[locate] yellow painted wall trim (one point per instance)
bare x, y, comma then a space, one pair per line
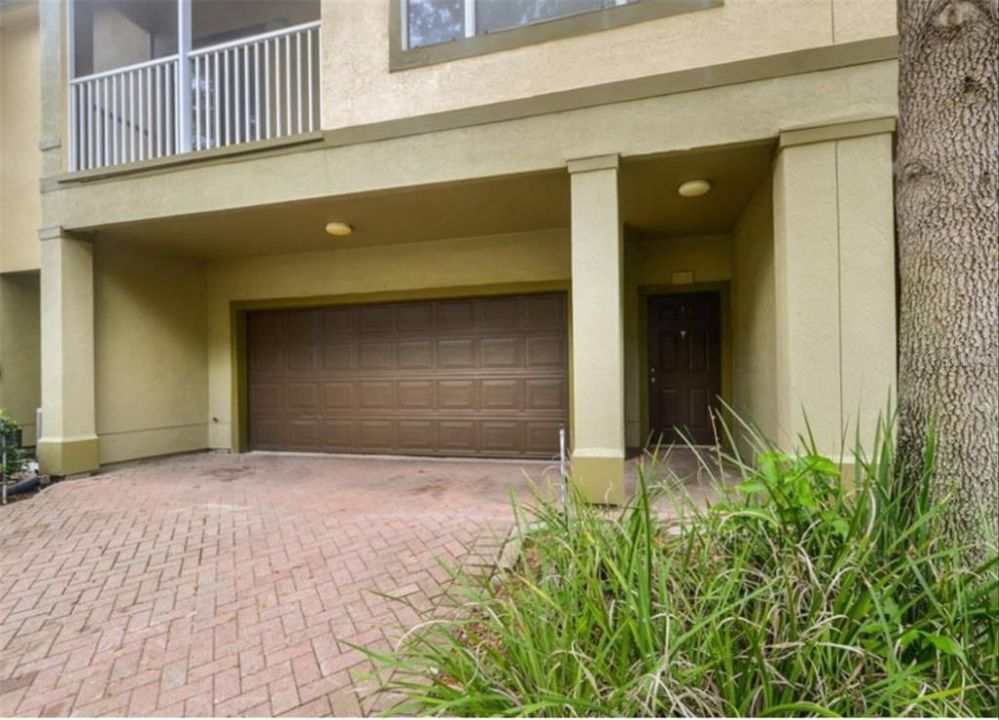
838, 131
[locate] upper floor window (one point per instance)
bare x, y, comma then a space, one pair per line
430, 22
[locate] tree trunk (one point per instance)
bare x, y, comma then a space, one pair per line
948, 225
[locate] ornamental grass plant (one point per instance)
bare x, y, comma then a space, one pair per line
798, 592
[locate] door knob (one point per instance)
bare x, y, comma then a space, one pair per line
683, 334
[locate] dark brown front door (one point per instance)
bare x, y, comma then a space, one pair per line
478, 376
684, 366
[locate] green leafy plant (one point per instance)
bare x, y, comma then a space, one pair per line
9, 437
798, 593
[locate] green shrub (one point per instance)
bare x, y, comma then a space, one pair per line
797, 594
9, 431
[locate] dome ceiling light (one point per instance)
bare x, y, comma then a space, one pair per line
339, 229
694, 188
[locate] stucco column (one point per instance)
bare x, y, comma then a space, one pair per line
69, 439
597, 330
834, 268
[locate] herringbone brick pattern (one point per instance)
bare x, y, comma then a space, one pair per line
230, 585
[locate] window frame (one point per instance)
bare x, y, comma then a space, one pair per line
405, 58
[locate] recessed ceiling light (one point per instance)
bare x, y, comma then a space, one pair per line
694, 188
339, 229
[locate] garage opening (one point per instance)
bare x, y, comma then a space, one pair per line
483, 376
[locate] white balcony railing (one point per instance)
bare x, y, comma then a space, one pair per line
257, 88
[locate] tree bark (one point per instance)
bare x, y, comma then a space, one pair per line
948, 233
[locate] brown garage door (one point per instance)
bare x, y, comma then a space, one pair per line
483, 376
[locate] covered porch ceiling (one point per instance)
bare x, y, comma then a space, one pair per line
650, 208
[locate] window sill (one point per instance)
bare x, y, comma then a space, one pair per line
560, 28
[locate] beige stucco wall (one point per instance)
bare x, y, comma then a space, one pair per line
144, 412
20, 362
20, 122
435, 269
150, 353
359, 88
596, 418
676, 122
649, 268
868, 338
136, 306
834, 277
754, 379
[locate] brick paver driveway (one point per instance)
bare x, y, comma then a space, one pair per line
223, 585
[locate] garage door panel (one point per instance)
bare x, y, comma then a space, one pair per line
456, 394
376, 356
415, 395
338, 435
338, 322
458, 436
417, 435
303, 326
456, 354
267, 358
415, 354
499, 314
546, 351
546, 393
484, 376
376, 319
455, 316
267, 326
338, 396
375, 395
501, 394
267, 396
545, 312
375, 434
304, 434
501, 352
501, 437
539, 436
412, 318
338, 356
302, 357
268, 434
303, 396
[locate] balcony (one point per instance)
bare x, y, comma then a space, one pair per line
209, 74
